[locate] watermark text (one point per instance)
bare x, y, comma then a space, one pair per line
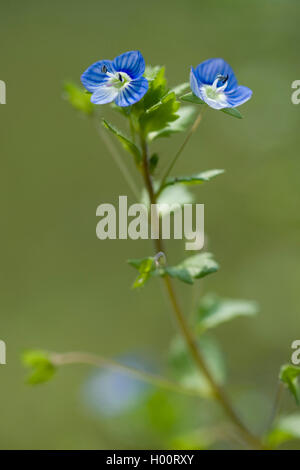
139, 222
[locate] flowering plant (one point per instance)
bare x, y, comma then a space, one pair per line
153, 111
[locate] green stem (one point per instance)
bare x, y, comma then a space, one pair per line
99, 361
182, 147
187, 334
277, 405
118, 160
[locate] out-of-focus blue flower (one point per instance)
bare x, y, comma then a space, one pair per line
214, 82
111, 393
119, 80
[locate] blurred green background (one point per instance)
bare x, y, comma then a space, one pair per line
63, 289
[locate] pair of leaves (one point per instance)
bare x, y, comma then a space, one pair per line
214, 310
191, 98
159, 109
41, 366
289, 375
193, 267
154, 115
145, 266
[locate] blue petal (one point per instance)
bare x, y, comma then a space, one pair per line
238, 96
93, 76
104, 94
195, 84
131, 63
207, 71
133, 92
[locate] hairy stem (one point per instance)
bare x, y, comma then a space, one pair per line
188, 335
99, 361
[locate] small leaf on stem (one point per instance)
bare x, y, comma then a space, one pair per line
125, 141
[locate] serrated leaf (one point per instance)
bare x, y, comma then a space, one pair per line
41, 365
232, 112
78, 98
152, 71
145, 266
191, 98
289, 374
125, 141
193, 179
160, 115
286, 428
186, 118
185, 371
157, 89
214, 310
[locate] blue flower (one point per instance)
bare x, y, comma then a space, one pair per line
214, 82
112, 393
119, 80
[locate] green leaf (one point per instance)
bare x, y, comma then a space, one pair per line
194, 267
191, 98
78, 98
160, 115
124, 110
153, 161
152, 71
172, 195
193, 179
179, 89
287, 428
185, 371
232, 112
157, 89
196, 439
162, 412
289, 375
214, 310
145, 266
199, 265
186, 118
41, 365
191, 268
127, 144
179, 273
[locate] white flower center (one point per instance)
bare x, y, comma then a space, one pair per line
118, 79
215, 94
